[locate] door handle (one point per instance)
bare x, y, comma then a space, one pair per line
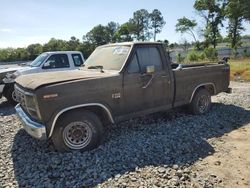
149, 82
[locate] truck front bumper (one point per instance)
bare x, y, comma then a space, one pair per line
33, 128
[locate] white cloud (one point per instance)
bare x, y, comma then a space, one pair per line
5, 30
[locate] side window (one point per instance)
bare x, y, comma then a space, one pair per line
57, 61
77, 58
149, 56
133, 66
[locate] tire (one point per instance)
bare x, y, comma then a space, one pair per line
9, 94
201, 102
78, 130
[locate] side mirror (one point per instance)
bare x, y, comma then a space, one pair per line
46, 65
150, 69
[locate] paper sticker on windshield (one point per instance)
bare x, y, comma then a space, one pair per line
119, 50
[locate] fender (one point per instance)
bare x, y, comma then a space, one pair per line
79, 106
200, 85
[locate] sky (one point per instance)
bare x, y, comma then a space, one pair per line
23, 22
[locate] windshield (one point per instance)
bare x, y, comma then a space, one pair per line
108, 57
39, 60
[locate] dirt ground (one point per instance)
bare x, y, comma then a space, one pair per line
231, 160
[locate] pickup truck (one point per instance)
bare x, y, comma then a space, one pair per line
46, 62
118, 82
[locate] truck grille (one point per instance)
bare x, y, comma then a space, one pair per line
20, 97
27, 102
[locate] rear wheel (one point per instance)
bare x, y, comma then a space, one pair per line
201, 102
9, 94
78, 130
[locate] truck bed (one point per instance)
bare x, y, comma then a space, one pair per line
188, 77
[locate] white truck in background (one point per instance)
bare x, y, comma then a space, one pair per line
46, 62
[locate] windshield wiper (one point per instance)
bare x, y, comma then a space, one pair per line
96, 67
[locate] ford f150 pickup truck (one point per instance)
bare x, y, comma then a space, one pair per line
46, 62
118, 82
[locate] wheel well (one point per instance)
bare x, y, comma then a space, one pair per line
99, 111
209, 87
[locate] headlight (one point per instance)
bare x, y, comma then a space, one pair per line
10, 77
32, 106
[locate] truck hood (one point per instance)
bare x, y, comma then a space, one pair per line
33, 81
10, 69
25, 70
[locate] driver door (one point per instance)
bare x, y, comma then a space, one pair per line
142, 91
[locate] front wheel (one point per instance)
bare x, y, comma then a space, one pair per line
78, 130
201, 102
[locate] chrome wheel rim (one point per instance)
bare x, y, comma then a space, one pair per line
77, 135
203, 103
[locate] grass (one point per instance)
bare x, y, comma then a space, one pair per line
240, 69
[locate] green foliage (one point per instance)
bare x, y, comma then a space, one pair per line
235, 14
140, 25
111, 30
34, 50
97, 36
245, 53
123, 33
179, 58
157, 22
199, 46
193, 56
55, 45
213, 13
202, 56
246, 9
185, 25
211, 54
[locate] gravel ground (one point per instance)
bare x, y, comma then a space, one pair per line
160, 150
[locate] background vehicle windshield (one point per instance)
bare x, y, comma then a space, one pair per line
109, 57
39, 60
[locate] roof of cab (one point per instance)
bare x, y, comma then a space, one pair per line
130, 43
59, 52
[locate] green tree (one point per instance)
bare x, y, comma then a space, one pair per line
213, 13
97, 36
211, 54
124, 33
139, 25
34, 50
55, 45
86, 48
157, 22
22, 54
235, 15
185, 25
111, 30
246, 9
73, 43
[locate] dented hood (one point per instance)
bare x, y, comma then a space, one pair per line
33, 81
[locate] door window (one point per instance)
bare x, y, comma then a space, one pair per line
133, 66
149, 56
57, 61
77, 58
